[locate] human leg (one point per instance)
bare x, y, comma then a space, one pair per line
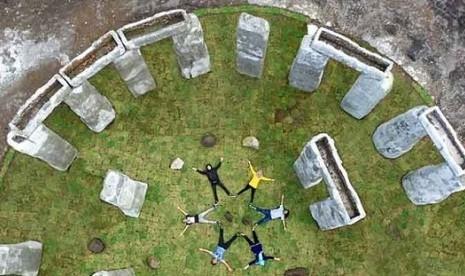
224, 188
221, 238
230, 241
252, 194
215, 194
255, 237
249, 241
247, 186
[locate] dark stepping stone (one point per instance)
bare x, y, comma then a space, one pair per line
247, 221
96, 245
279, 115
208, 140
228, 216
153, 262
298, 271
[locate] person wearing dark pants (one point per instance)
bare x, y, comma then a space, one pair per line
257, 176
279, 212
257, 249
212, 175
220, 250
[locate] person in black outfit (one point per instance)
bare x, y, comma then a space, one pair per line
257, 249
212, 175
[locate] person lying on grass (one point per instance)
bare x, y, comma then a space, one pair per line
212, 175
271, 214
220, 249
196, 218
257, 249
257, 176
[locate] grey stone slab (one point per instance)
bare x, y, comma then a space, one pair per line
127, 194
21, 258
365, 94
117, 272
45, 145
329, 214
308, 67
135, 72
431, 184
308, 168
251, 44
94, 109
191, 50
398, 135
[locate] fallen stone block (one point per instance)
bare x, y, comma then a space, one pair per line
94, 109
123, 192
135, 72
21, 258
365, 94
191, 49
432, 184
118, 272
320, 160
308, 66
398, 135
251, 44
45, 145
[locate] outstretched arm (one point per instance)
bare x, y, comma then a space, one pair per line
182, 211
267, 179
227, 265
249, 264
183, 231
282, 199
272, 258
284, 224
199, 171
206, 251
251, 167
219, 164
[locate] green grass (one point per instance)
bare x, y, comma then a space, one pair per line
63, 210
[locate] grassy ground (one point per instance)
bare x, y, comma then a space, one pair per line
63, 210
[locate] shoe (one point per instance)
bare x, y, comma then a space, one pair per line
240, 234
233, 195
254, 227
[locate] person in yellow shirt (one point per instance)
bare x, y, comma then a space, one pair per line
257, 176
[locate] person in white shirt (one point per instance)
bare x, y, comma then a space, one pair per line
196, 218
279, 212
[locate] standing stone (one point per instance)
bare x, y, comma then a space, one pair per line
118, 272
398, 135
307, 167
251, 44
177, 164
123, 192
96, 245
135, 72
365, 94
93, 108
45, 145
21, 258
431, 184
308, 66
191, 50
251, 142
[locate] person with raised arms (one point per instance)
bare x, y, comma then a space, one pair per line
280, 212
218, 253
190, 220
257, 176
257, 249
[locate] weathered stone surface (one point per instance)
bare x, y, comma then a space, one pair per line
118, 272
298, 271
191, 50
365, 94
96, 245
431, 184
251, 142
45, 145
208, 140
153, 262
123, 192
177, 164
135, 72
308, 67
307, 167
398, 135
94, 109
21, 258
251, 44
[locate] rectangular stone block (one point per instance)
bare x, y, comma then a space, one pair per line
191, 49
251, 44
117, 272
365, 94
102, 52
21, 258
45, 145
135, 72
94, 109
308, 67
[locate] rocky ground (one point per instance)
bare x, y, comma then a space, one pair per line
426, 37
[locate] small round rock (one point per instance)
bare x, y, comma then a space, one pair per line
153, 262
96, 245
208, 140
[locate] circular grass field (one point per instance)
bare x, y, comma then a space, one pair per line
63, 210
